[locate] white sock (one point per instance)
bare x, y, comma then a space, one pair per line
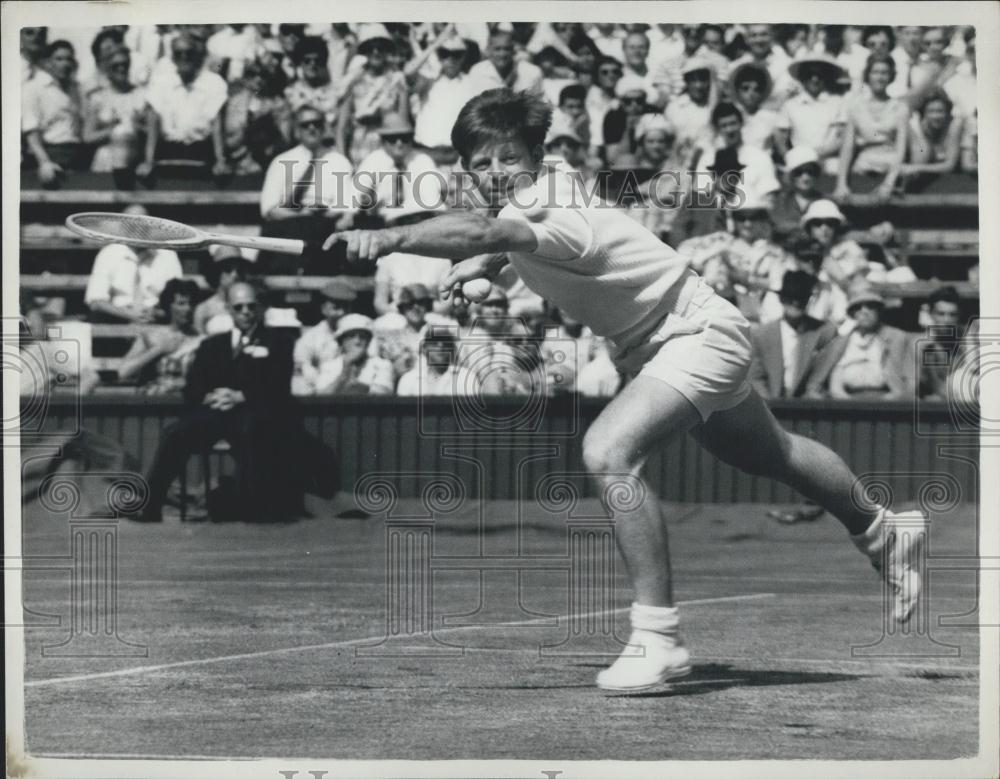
655, 625
872, 540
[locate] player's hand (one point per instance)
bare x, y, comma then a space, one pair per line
479, 267
365, 245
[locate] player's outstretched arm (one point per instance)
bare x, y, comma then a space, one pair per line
451, 236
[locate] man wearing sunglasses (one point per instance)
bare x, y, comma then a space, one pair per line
238, 389
398, 175
185, 122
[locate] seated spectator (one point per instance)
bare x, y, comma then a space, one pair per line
879, 40
46, 364
290, 36
759, 181
970, 145
231, 49
587, 56
935, 66
662, 194
105, 43
500, 69
161, 355
441, 99
33, 43
608, 39
398, 333
788, 351
802, 171
793, 39
563, 145
938, 352
354, 371
669, 77
962, 87
307, 194
557, 73
750, 85
318, 345
762, 50
874, 360
491, 349
874, 136
933, 141
620, 123
851, 57
186, 117
238, 388
571, 110
635, 53
828, 302
314, 87
397, 174
690, 113
436, 372
575, 360
602, 96
226, 266
52, 116
125, 282
115, 121
257, 122
373, 93
843, 259
395, 271
815, 116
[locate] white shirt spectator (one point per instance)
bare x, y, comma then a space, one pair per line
55, 114
670, 72
422, 381
440, 109
119, 276
810, 120
315, 347
187, 111
236, 47
525, 76
692, 123
398, 270
758, 128
422, 187
905, 65
376, 373
290, 168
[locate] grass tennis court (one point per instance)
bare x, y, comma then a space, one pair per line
254, 632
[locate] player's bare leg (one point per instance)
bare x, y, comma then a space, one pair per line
750, 438
645, 416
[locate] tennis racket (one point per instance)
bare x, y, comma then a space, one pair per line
154, 232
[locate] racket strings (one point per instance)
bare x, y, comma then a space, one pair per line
127, 227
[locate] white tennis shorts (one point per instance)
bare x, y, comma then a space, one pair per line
703, 351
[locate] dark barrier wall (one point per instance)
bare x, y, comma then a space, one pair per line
504, 449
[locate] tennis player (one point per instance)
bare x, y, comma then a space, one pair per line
686, 349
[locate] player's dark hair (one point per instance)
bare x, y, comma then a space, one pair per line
501, 114
722, 110
946, 294
572, 92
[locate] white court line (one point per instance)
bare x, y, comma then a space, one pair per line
354, 642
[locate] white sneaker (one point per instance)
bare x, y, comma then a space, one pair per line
905, 534
645, 665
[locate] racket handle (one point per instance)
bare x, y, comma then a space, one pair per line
278, 245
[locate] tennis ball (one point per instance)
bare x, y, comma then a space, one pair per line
476, 290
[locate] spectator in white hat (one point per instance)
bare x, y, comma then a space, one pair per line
690, 113
441, 98
620, 123
802, 172
354, 371
843, 259
373, 93
669, 76
602, 97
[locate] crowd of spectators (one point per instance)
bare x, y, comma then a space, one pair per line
810, 118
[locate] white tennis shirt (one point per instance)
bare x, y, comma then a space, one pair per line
595, 262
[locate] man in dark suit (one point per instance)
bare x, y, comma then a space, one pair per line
786, 353
239, 389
